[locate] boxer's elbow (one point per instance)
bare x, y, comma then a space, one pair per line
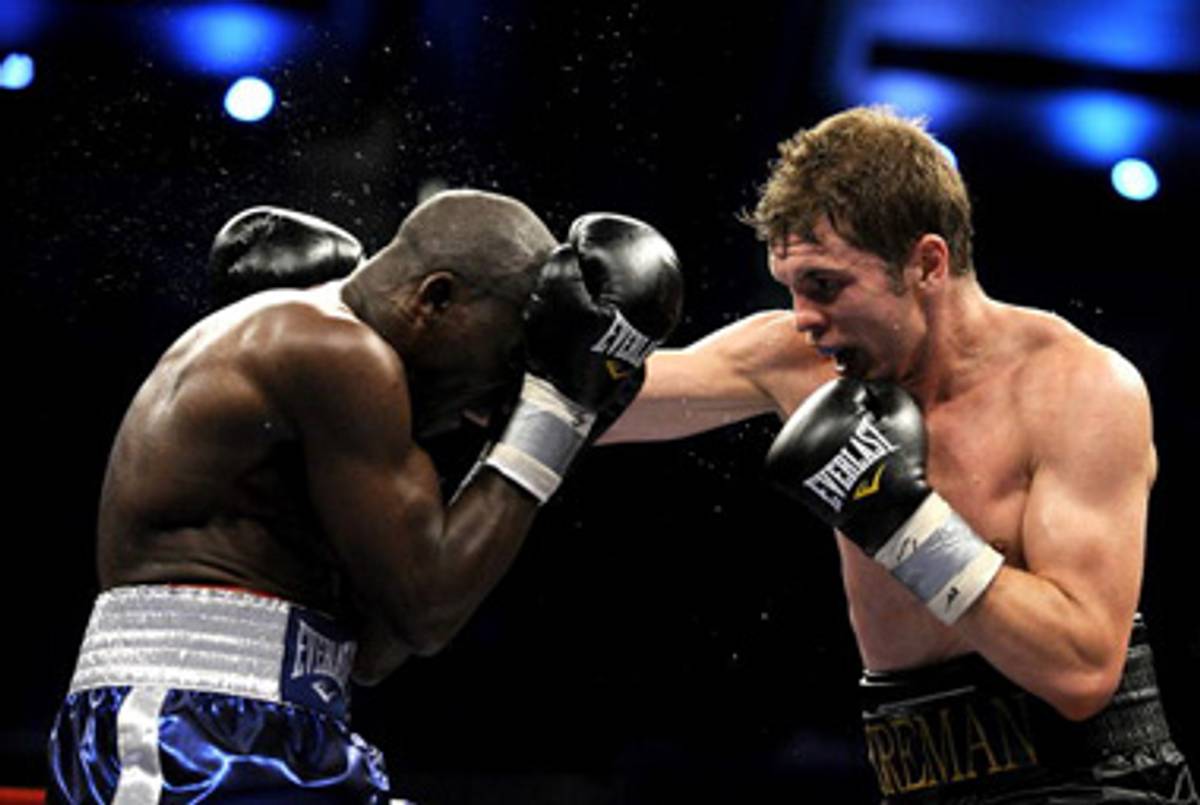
428, 632
419, 634
381, 650
1085, 693
1079, 707
370, 672
427, 619
432, 602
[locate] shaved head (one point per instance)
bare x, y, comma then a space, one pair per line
484, 238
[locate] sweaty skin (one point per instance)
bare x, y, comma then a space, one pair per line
272, 449
1039, 437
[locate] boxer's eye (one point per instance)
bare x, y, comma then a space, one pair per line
821, 288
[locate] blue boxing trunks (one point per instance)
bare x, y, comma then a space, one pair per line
189, 694
961, 733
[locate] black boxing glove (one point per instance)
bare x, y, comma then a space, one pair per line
272, 247
627, 263
602, 303
854, 454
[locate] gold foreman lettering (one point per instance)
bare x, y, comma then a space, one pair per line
924, 750
1019, 729
977, 739
880, 748
938, 752
905, 732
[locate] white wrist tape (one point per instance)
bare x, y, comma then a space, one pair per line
544, 434
937, 556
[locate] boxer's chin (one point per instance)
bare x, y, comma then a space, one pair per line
849, 362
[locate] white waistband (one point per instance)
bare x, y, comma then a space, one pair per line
195, 638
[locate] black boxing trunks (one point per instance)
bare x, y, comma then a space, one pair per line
183, 694
960, 732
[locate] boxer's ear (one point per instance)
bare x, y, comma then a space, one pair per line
438, 291
930, 259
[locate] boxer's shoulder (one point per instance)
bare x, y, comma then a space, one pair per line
282, 333
287, 350
1067, 382
311, 354
1056, 355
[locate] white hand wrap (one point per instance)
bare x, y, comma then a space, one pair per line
937, 556
544, 434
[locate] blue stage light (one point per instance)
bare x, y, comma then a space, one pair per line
916, 94
229, 38
16, 71
1098, 127
249, 99
1146, 35
1142, 35
1134, 179
20, 20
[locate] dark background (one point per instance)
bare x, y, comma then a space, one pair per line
672, 631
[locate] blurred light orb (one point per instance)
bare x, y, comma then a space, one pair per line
249, 99
1135, 179
16, 71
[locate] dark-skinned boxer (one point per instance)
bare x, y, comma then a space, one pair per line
270, 527
987, 468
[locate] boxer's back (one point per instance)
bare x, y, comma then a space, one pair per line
205, 482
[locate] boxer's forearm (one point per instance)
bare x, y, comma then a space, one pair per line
686, 394
660, 419
380, 651
1059, 626
447, 577
1060, 649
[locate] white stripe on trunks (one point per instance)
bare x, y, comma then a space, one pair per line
141, 779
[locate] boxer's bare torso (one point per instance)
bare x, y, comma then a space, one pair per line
983, 472
206, 481
986, 434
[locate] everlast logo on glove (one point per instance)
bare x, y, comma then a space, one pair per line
622, 340
833, 482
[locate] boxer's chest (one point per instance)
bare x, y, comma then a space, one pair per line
979, 462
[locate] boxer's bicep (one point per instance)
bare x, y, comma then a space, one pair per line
1084, 526
379, 507
383, 517
374, 491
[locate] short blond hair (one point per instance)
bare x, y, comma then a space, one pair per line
881, 179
